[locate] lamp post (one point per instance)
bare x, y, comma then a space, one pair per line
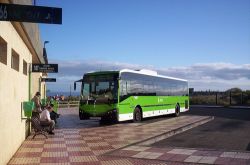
46, 62
44, 52
45, 42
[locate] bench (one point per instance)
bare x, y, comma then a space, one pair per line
39, 130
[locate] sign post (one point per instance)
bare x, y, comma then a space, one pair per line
48, 79
28, 13
45, 68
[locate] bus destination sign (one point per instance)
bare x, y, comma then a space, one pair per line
28, 13
47, 68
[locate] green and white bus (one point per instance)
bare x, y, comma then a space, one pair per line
131, 95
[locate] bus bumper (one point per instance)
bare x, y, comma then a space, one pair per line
83, 116
111, 115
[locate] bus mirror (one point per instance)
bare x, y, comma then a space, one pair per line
74, 85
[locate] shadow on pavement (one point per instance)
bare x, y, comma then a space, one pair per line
229, 130
248, 147
69, 119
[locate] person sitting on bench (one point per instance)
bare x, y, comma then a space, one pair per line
45, 119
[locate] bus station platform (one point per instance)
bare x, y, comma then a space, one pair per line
87, 142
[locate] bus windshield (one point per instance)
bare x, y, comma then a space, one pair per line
101, 88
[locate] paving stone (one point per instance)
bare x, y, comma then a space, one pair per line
153, 155
228, 154
208, 159
25, 160
182, 151
141, 154
116, 162
193, 159
54, 160
179, 158
166, 156
239, 162
54, 154
223, 160
242, 155
83, 159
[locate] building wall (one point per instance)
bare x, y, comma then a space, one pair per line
24, 39
32, 30
14, 89
36, 85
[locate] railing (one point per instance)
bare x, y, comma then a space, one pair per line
226, 98
68, 104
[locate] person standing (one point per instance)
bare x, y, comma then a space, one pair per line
38, 106
45, 119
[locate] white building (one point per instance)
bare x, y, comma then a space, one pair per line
20, 46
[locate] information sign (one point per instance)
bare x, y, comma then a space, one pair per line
28, 13
48, 79
47, 68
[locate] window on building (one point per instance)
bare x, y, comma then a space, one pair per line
25, 71
14, 60
3, 51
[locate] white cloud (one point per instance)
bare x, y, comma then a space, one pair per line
201, 76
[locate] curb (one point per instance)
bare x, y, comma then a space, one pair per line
170, 133
165, 135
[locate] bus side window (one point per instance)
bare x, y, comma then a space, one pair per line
122, 88
128, 88
93, 87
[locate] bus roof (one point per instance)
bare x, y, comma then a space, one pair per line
150, 73
101, 72
143, 71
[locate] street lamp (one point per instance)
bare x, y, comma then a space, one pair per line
45, 42
45, 53
46, 62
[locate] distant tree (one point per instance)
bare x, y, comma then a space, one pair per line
234, 90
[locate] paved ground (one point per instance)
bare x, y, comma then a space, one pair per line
230, 130
87, 142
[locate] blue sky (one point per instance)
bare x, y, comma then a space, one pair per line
162, 35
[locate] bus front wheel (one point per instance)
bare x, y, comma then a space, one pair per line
137, 115
177, 110
83, 116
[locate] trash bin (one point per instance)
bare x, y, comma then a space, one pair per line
28, 106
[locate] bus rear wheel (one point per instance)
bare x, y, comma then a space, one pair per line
177, 110
137, 115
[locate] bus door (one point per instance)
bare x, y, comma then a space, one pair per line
93, 97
